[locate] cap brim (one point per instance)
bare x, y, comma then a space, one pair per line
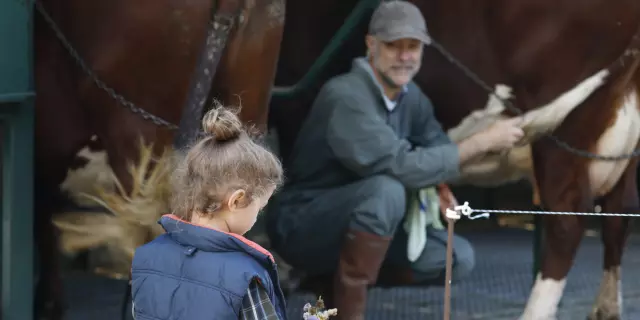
420, 36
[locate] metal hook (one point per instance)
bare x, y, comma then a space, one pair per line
466, 210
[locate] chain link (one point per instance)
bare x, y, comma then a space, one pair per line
94, 77
633, 52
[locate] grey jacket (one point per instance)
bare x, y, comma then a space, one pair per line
350, 134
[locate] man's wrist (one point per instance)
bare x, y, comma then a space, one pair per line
472, 147
482, 141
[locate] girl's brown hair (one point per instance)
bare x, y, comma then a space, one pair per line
225, 160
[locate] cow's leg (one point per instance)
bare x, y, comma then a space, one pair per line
566, 190
615, 230
562, 237
60, 131
608, 304
49, 293
50, 171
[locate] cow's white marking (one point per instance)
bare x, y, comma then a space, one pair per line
608, 304
516, 164
620, 138
491, 170
84, 180
481, 119
544, 299
547, 118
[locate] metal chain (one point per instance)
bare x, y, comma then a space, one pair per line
509, 104
99, 83
161, 122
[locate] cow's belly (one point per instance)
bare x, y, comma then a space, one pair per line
621, 138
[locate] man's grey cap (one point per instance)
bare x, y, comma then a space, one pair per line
394, 20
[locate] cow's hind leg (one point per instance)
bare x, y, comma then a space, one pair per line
567, 190
49, 294
50, 171
61, 129
562, 237
615, 230
608, 304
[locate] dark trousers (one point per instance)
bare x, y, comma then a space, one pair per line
308, 233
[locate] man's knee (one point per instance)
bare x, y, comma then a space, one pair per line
431, 265
382, 205
465, 259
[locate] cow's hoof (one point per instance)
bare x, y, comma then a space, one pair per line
601, 315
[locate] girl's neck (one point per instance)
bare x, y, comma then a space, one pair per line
213, 223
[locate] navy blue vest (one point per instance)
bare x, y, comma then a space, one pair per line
197, 273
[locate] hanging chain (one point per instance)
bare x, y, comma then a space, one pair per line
470, 74
633, 52
94, 77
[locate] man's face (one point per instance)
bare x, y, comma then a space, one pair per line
396, 62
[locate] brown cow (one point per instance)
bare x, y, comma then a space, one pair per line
146, 51
578, 59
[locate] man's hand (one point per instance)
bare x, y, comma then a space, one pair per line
503, 134
447, 199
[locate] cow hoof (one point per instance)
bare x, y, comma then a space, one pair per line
601, 315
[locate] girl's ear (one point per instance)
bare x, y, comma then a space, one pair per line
236, 199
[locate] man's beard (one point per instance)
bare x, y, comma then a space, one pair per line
410, 68
387, 80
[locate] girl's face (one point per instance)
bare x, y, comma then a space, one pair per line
241, 219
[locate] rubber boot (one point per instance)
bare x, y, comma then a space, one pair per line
394, 276
360, 260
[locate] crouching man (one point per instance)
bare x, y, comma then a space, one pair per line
369, 146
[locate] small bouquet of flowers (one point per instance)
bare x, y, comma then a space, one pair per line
317, 312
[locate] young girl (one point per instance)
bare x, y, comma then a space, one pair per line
202, 267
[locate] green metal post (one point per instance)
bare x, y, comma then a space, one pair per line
359, 12
17, 211
17, 116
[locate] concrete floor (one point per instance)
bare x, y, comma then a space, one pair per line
497, 289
